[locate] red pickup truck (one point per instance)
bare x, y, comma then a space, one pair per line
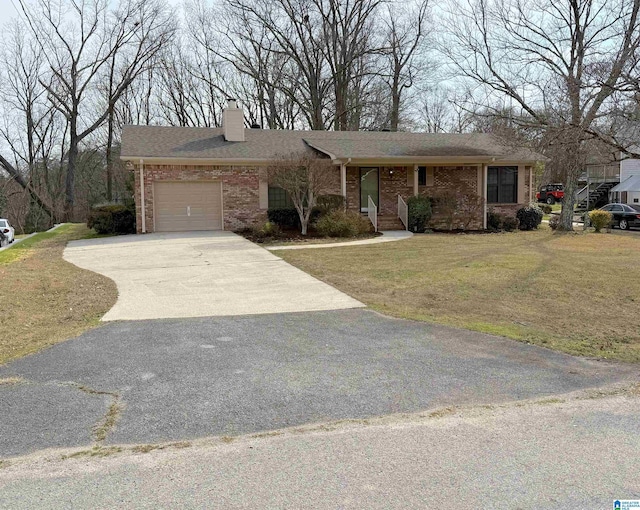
550, 193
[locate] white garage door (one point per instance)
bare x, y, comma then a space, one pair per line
183, 206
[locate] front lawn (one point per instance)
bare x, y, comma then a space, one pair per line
573, 292
45, 300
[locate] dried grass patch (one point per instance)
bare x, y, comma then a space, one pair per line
44, 299
578, 293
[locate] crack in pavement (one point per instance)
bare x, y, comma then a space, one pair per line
108, 422
104, 425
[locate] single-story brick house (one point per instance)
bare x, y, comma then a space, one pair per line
215, 179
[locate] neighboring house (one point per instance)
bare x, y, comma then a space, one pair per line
216, 179
628, 191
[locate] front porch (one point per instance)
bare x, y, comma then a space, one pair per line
502, 187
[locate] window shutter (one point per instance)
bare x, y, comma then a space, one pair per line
410, 172
431, 176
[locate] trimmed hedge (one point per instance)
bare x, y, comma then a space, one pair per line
112, 219
419, 213
343, 224
497, 222
529, 218
509, 223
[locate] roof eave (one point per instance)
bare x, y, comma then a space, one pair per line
158, 160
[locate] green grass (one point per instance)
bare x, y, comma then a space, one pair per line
23, 248
44, 299
577, 293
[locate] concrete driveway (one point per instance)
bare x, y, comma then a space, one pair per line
134, 382
200, 274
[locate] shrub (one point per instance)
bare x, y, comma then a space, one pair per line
497, 222
266, 231
494, 221
112, 219
289, 218
509, 223
329, 203
458, 209
284, 217
342, 224
554, 222
529, 218
419, 213
546, 208
600, 219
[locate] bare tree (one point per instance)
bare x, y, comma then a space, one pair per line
304, 177
347, 32
560, 62
30, 124
78, 40
404, 38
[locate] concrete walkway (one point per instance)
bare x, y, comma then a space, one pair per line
200, 274
386, 237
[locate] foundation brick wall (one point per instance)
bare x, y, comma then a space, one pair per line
240, 191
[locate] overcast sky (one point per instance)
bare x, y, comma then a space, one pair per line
7, 11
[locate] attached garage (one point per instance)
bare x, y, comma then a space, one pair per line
184, 206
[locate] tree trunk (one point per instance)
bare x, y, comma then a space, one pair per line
574, 168
109, 155
72, 160
26, 185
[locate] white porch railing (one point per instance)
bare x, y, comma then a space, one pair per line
403, 212
372, 213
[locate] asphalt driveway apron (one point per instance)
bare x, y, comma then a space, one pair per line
179, 379
200, 274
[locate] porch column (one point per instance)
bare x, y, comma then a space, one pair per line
520, 186
530, 184
485, 173
343, 180
415, 180
143, 205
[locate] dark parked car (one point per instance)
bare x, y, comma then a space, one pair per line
624, 215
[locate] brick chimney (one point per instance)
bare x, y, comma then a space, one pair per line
233, 122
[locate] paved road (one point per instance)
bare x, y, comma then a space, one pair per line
200, 274
168, 380
576, 454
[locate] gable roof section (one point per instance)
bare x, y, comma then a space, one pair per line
162, 142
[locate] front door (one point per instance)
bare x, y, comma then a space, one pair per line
368, 187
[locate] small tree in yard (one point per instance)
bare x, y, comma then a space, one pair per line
304, 177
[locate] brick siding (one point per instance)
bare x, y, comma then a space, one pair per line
240, 191
240, 188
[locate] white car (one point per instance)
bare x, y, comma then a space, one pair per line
8, 231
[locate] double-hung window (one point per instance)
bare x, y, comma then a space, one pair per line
502, 185
279, 198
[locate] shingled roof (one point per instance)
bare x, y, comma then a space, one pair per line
159, 142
